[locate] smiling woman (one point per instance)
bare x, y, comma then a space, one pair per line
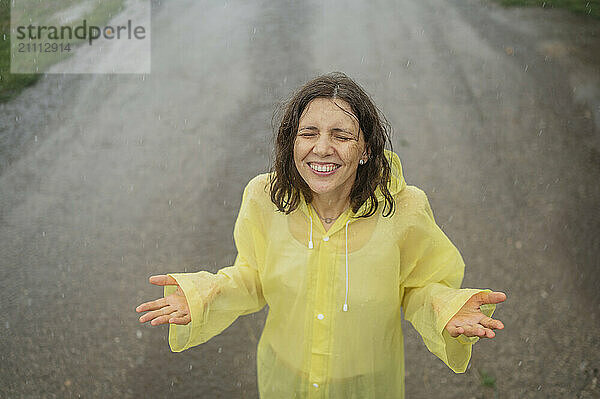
336, 243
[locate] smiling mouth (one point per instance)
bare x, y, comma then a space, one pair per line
325, 168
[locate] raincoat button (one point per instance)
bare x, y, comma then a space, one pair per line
326, 238
320, 316
315, 385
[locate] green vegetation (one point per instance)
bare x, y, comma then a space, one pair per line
488, 381
583, 7
12, 84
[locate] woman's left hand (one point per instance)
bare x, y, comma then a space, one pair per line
470, 321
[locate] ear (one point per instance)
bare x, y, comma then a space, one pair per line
366, 154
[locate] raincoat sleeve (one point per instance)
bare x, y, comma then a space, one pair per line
432, 273
217, 300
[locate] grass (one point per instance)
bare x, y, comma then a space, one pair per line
12, 84
582, 7
487, 380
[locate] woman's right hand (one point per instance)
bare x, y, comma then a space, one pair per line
172, 309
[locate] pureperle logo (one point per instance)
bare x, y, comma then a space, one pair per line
81, 32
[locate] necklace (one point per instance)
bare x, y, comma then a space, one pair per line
326, 220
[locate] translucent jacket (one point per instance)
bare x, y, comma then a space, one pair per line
333, 329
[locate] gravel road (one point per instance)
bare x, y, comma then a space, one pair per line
108, 179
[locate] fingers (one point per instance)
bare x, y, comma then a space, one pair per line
153, 305
162, 279
454, 331
491, 323
180, 320
150, 316
491, 297
173, 318
161, 320
483, 329
477, 330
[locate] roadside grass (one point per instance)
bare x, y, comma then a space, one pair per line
12, 84
582, 7
487, 380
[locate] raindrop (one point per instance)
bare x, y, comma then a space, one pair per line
539, 388
138, 334
526, 67
407, 63
7, 324
220, 349
35, 138
520, 362
158, 116
170, 203
254, 31
185, 121
4, 36
191, 366
117, 340
362, 60
43, 234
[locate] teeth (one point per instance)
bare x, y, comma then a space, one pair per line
323, 168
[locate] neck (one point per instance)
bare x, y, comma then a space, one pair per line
330, 205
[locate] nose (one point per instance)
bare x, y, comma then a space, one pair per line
323, 147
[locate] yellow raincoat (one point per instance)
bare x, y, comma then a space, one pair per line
333, 329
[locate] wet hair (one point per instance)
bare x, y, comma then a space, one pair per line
285, 182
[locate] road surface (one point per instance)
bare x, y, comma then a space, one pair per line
108, 179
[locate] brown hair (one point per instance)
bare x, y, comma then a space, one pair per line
286, 184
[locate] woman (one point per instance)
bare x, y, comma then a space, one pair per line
336, 243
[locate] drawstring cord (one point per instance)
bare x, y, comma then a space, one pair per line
310, 242
345, 308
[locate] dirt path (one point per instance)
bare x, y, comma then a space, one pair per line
495, 115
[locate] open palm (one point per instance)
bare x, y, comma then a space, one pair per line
173, 308
470, 321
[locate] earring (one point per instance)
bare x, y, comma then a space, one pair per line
361, 162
